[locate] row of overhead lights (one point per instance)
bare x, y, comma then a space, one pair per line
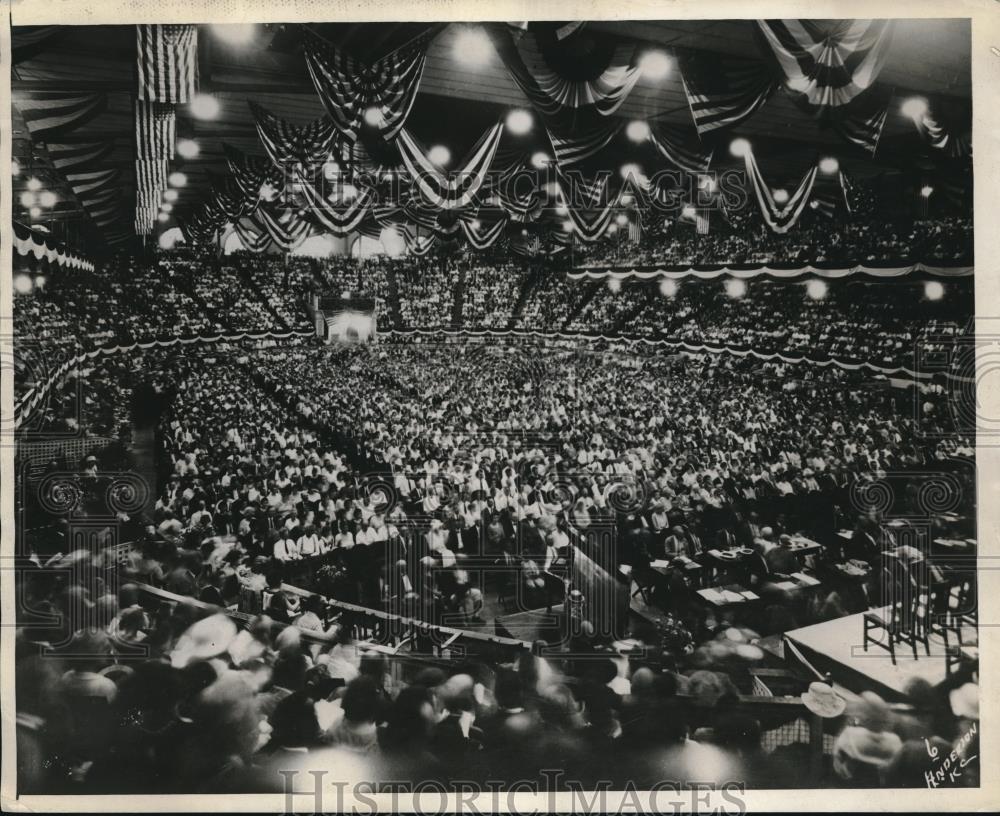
176, 180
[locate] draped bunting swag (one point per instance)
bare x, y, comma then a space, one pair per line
574, 145
28, 242
680, 147
551, 94
828, 62
830, 273
482, 237
339, 219
67, 156
250, 174
450, 192
779, 219
287, 145
287, 230
53, 114
348, 88
592, 228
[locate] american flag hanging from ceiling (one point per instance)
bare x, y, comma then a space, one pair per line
155, 130
167, 57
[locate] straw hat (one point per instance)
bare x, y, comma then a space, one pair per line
965, 701
823, 701
203, 640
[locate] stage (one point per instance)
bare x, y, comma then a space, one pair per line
836, 647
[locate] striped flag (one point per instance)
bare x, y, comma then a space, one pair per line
635, 227
723, 90
167, 57
575, 145
681, 147
151, 174
48, 114
155, 130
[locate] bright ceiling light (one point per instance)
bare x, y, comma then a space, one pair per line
22, 284
47, 198
540, 160
475, 223
621, 219
814, 204
28, 199
473, 47
562, 209
348, 192
816, 289
612, 229
637, 130
35, 212
668, 287
655, 65
926, 191
567, 225
34, 184
631, 170
736, 288
166, 206
163, 218
188, 148
915, 107
739, 147
440, 155
519, 122
40, 281
780, 196
614, 284
707, 183
235, 33
373, 116
204, 106
687, 211
934, 290
829, 165
15, 168
177, 179
169, 195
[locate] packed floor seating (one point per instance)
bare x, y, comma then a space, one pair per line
818, 240
269, 464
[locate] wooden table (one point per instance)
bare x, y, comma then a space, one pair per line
728, 595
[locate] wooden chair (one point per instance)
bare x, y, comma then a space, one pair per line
905, 618
958, 609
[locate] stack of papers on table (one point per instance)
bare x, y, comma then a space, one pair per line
712, 595
732, 597
786, 585
804, 579
659, 564
750, 596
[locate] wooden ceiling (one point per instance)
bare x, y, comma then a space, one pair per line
455, 103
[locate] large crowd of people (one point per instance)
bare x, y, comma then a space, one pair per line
455, 483
382, 476
945, 240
